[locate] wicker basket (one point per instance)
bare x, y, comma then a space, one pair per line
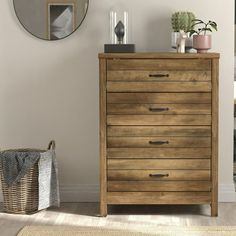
22, 196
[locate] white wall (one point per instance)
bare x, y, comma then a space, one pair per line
50, 89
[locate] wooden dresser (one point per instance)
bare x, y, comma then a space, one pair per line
158, 129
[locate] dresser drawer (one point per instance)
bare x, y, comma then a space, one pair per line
148, 76
143, 175
152, 186
160, 64
159, 98
159, 119
135, 153
159, 164
149, 131
150, 109
165, 142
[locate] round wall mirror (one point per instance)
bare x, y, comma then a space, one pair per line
51, 19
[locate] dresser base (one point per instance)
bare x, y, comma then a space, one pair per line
162, 198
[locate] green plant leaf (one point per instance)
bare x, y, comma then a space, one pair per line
206, 29
193, 32
198, 21
213, 25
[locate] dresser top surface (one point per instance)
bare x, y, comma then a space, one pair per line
159, 55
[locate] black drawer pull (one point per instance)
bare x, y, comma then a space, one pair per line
158, 109
158, 142
159, 175
158, 75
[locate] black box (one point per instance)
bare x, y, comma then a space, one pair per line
119, 48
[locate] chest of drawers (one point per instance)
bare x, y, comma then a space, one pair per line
158, 129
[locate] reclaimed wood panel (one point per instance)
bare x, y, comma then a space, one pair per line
159, 55
102, 137
160, 164
147, 142
215, 121
159, 64
147, 131
150, 109
133, 153
146, 98
134, 75
187, 198
152, 186
144, 175
159, 119
159, 86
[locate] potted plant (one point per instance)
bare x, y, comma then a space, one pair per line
182, 20
202, 40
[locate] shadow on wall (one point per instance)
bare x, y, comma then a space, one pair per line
159, 35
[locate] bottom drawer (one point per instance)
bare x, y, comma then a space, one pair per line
158, 198
152, 186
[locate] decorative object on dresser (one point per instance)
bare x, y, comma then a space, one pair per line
119, 33
182, 21
158, 129
181, 42
202, 41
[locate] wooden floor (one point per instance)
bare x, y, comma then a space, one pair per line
121, 217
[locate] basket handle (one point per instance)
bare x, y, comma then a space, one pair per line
52, 145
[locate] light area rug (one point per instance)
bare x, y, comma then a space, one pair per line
146, 231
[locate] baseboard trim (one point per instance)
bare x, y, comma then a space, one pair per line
79, 193
90, 193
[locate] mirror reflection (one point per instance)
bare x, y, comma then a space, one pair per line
51, 19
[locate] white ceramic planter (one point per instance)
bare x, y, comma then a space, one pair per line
188, 43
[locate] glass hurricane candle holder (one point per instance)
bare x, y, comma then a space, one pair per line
119, 22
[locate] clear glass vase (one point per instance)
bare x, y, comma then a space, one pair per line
119, 21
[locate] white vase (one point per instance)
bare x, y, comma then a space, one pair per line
188, 43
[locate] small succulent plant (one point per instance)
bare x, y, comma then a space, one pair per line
182, 21
203, 27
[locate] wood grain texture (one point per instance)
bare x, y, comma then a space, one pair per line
214, 163
153, 131
165, 141
158, 98
162, 116
133, 153
160, 197
159, 86
159, 119
159, 164
144, 175
167, 109
134, 75
159, 64
102, 135
159, 55
158, 186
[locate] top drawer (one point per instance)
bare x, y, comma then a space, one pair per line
159, 64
